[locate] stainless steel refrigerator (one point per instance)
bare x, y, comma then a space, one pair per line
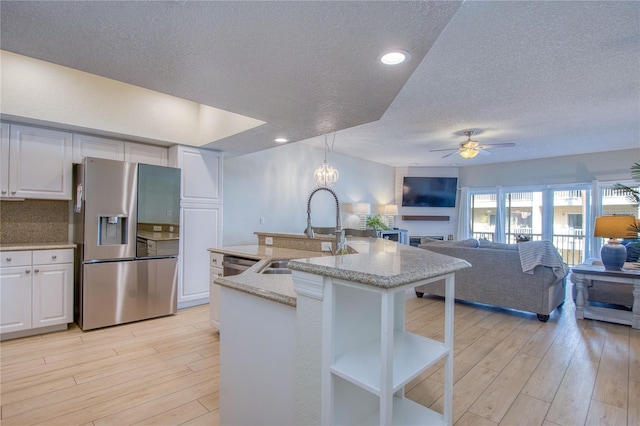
116, 280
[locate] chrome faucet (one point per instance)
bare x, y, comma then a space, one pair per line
341, 244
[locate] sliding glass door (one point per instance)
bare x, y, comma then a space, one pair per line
559, 214
570, 210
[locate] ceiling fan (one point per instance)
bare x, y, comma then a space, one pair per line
470, 149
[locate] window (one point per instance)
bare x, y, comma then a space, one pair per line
483, 215
574, 222
564, 214
523, 209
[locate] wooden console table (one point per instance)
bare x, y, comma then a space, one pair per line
584, 273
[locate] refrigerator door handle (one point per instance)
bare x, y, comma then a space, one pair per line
78, 206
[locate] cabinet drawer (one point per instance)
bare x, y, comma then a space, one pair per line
16, 258
216, 260
51, 257
151, 245
215, 273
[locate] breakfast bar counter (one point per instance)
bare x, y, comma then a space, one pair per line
291, 341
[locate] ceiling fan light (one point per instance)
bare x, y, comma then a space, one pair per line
468, 153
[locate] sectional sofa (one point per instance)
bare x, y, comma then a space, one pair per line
496, 276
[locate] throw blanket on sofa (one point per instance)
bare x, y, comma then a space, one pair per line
534, 253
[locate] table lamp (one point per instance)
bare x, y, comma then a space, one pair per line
363, 210
390, 210
613, 253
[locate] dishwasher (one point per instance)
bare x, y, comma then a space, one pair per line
232, 265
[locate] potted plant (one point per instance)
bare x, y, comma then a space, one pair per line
376, 222
633, 246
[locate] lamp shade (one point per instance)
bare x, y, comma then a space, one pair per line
362, 208
613, 254
615, 227
391, 210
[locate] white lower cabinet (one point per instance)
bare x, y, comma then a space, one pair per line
200, 219
200, 228
15, 300
36, 295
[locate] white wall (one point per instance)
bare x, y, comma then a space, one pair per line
602, 166
274, 184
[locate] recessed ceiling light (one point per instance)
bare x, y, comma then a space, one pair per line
281, 140
394, 57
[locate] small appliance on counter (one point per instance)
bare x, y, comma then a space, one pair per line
117, 280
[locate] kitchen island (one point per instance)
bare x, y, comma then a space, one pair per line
296, 353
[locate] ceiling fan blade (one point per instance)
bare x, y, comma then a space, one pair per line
447, 149
483, 152
449, 154
497, 145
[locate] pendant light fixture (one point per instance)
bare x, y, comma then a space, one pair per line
325, 175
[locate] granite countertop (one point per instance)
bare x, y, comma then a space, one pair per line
260, 252
158, 236
276, 287
381, 263
378, 262
36, 246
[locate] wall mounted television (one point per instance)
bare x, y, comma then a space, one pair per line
429, 191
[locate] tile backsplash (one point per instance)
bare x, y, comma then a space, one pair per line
34, 221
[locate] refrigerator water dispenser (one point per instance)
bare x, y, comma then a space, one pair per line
112, 230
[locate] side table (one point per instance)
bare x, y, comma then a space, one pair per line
583, 273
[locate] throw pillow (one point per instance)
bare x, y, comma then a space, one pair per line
484, 243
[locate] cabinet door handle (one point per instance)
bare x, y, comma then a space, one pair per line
8, 259
54, 257
27, 271
4, 192
13, 192
36, 271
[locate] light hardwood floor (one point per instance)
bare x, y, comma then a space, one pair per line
510, 369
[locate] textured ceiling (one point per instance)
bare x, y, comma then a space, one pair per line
556, 78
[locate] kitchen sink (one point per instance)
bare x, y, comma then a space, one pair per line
276, 271
277, 267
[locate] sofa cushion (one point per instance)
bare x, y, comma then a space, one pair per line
484, 243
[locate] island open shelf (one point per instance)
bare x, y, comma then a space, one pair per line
412, 354
372, 357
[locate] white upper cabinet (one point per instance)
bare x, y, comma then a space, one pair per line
201, 174
147, 154
4, 160
113, 149
39, 163
97, 147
